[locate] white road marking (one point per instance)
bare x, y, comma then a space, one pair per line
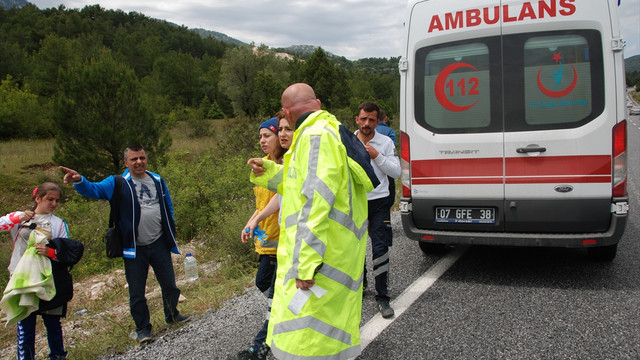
377, 324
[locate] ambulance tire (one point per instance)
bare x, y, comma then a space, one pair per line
603, 253
428, 248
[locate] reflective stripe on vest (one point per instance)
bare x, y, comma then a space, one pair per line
273, 183
314, 324
348, 353
313, 185
268, 244
340, 277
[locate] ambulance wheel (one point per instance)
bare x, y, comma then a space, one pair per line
429, 248
603, 253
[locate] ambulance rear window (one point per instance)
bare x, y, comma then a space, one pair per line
521, 82
454, 88
557, 79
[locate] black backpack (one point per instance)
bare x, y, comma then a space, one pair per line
357, 152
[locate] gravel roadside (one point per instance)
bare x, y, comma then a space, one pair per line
221, 334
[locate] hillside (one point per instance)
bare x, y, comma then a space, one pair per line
8, 4
301, 51
218, 36
632, 64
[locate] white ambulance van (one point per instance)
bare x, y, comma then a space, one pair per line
512, 120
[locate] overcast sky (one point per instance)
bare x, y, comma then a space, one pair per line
354, 29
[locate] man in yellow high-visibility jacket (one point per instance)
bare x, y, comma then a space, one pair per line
317, 303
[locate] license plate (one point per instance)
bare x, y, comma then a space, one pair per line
461, 215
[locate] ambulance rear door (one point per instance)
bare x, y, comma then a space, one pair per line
455, 122
558, 128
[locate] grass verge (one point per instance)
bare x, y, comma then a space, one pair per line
212, 201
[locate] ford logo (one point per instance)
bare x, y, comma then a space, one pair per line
563, 188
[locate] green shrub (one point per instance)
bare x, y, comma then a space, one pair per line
21, 116
211, 193
215, 112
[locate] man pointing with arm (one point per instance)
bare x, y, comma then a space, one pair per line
148, 234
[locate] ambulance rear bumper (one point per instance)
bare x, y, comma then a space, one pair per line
569, 240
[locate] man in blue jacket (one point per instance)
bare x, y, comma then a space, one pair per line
384, 128
148, 234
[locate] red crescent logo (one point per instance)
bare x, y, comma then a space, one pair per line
561, 93
439, 87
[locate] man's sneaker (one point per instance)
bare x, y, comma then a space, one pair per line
144, 336
263, 351
251, 354
385, 310
180, 319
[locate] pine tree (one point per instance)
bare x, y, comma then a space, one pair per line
98, 113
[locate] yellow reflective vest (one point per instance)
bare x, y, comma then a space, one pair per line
270, 225
323, 235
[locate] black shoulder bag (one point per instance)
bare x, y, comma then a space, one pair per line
113, 237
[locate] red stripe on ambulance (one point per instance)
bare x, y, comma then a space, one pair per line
530, 170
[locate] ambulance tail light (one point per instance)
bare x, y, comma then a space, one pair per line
620, 159
405, 161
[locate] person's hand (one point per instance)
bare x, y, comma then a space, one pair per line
256, 166
42, 249
373, 153
246, 235
305, 284
70, 175
26, 216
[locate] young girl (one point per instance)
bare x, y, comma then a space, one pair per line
46, 198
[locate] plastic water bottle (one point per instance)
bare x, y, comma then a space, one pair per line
190, 268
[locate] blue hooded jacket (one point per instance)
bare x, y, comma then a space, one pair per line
130, 208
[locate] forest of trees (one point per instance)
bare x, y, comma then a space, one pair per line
101, 79
633, 78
